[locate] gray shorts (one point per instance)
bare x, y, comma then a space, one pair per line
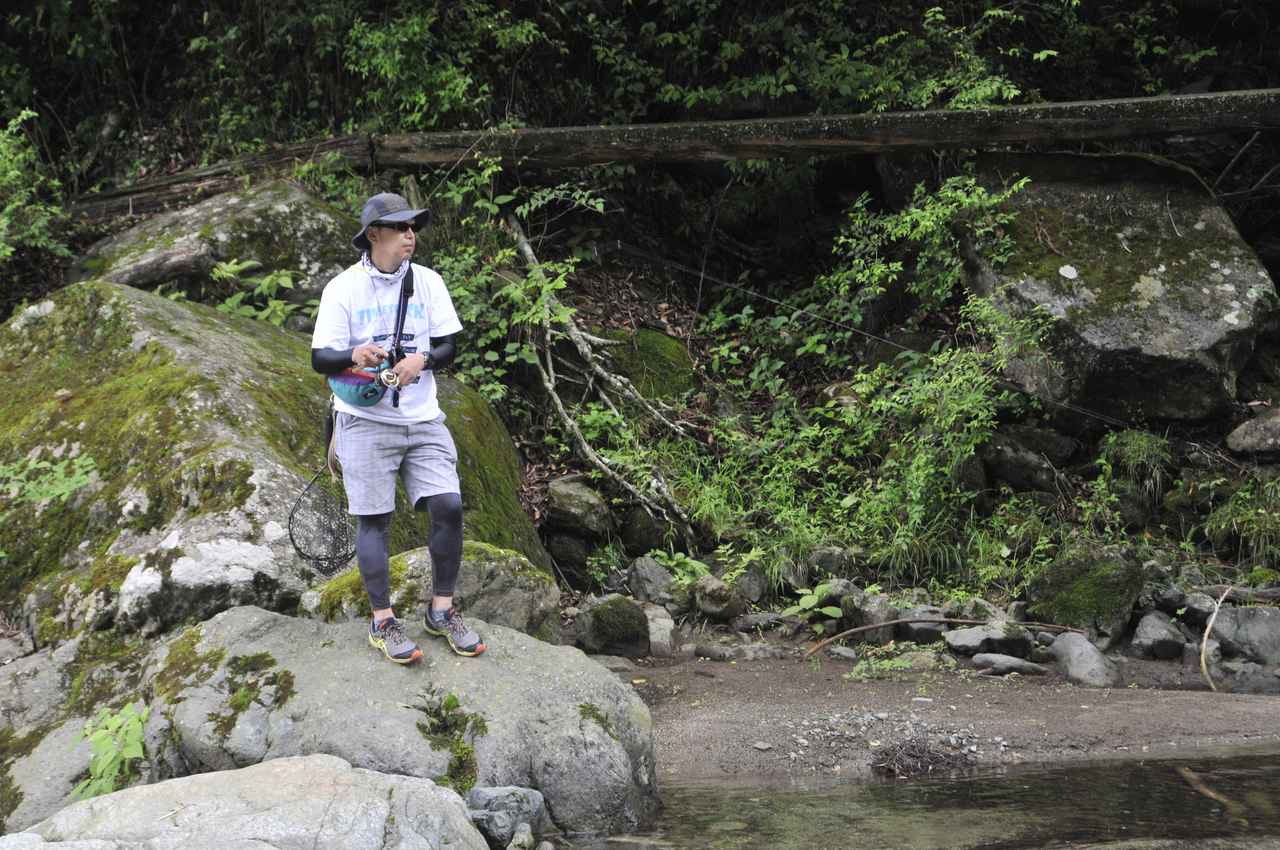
372, 454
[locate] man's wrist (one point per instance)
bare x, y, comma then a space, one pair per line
426, 360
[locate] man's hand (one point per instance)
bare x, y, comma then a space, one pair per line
409, 368
368, 354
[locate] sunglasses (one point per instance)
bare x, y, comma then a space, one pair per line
399, 226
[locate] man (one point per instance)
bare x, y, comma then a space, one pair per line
404, 432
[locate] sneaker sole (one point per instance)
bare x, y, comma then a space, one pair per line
381, 646
469, 653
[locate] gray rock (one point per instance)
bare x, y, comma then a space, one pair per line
739, 651
522, 839
1259, 435
716, 599
316, 801
1199, 608
922, 632
575, 507
832, 560
649, 581
46, 776
642, 533
1002, 638
973, 608
761, 620
662, 631
1009, 462
1002, 665
1252, 633
860, 609
1157, 637
591, 756
753, 585
1157, 314
1169, 599
497, 812
1082, 662
613, 625
179, 249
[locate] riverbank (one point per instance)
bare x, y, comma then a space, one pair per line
787, 718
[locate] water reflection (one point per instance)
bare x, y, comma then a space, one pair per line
1026, 808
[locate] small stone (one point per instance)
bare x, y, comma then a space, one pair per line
763, 746
1069, 272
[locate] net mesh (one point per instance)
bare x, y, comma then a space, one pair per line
321, 530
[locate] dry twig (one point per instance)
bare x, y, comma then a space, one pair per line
1204, 641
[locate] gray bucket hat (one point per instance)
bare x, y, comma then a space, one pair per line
387, 206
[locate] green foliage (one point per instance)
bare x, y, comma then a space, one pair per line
685, 570
1007, 550
29, 212
1142, 458
883, 662
255, 296
1249, 523
810, 607
116, 739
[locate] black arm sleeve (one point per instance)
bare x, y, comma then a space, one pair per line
443, 350
331, 361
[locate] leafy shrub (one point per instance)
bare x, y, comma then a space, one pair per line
1249, 522
1141, 457
116, 739
29, 213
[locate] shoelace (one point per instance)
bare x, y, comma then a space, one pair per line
393, 632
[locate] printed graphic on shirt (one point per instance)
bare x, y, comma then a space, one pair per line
364, 315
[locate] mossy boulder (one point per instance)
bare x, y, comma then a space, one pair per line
277, 224
614, 625
1158, 299
658, 365
1089, 586
156, 451
494, 584
223, 684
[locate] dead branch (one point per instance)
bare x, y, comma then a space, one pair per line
664, 503
948, 620
1232, 164
1204, 641
1241, 595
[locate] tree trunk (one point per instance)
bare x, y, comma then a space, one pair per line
703, 141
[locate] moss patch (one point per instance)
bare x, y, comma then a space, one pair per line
12, 748
592, 712
105, 673
185, 666
445, 726
617, 624
658, 365
134, 414
1087, 586
251, 679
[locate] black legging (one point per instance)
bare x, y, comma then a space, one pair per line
445, 545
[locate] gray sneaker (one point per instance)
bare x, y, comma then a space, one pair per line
389, 637
448, 625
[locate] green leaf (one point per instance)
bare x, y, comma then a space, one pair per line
832, 612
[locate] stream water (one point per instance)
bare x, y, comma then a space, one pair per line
1017, 808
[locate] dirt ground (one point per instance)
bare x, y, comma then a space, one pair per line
790, 718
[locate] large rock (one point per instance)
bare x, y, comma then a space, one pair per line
574, 506
613, 625
179, 249
180, 453
317, 802
496, 585
1090, 587
249, 686
1251, 633
1158, 298
1157, 637
999, 638
1082, 662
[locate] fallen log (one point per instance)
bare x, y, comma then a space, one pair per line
826, 135
717, 141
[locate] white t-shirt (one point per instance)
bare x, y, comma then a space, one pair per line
355, 309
